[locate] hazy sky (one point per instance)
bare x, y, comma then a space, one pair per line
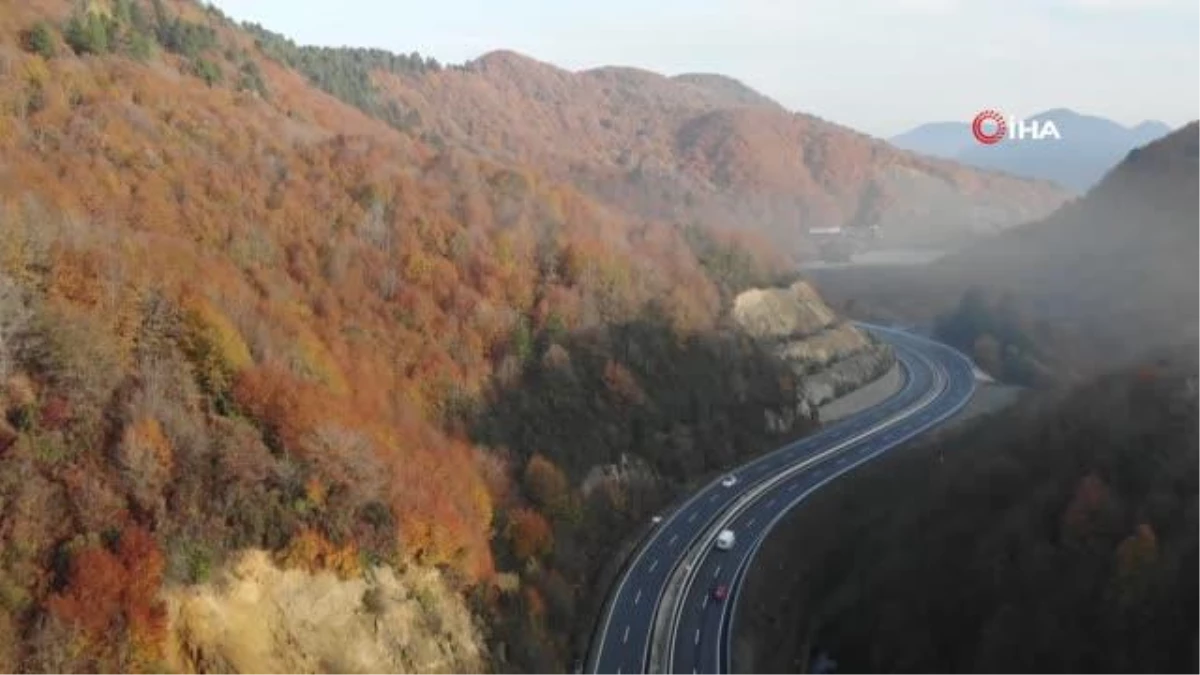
881, 66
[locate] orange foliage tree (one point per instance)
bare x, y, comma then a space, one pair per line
313, 552
529, 534
545, 483
111, 597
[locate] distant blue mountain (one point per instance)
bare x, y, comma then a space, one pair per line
1090, 146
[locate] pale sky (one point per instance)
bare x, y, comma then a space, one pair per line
880, 66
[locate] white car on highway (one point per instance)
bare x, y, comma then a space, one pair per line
729, 481
725, 540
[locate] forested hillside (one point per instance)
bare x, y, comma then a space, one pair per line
1057, 536
708, 150
1102, 281
239, 313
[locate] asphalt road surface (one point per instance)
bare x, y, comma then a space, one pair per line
938, 382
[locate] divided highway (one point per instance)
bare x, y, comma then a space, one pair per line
661, 616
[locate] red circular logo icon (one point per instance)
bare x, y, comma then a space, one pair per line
985, 136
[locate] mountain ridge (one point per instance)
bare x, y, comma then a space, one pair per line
626, 136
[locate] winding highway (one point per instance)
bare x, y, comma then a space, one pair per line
662, 616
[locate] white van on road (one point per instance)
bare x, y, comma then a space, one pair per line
725, 540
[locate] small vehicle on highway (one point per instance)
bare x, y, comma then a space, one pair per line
720, 592
656, 520
725, 540
729, 481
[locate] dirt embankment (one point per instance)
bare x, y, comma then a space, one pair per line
255, 617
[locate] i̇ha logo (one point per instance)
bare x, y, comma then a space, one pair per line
990, 127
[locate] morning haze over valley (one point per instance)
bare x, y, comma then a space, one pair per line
511, 337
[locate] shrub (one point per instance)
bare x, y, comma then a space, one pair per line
214, 346
206, 70
88, 34
40, 40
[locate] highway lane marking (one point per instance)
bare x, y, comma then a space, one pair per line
674, 538
692, 517
637, 598
717, 572
704, 603
625, 637
697, 640
653, 564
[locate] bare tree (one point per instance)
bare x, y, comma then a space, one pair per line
14, 317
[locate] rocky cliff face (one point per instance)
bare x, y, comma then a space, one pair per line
830, 356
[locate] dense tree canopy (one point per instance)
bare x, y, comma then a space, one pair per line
237, 313
1058, 536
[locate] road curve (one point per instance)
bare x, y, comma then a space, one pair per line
938, 382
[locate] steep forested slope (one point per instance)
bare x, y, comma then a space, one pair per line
241, 308
1113, 273
701, 149
704, 150
1057, 536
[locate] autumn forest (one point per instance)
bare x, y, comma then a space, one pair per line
241, 307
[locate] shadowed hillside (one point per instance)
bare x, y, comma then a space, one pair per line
1057, 536
1118, 268
1105, 278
